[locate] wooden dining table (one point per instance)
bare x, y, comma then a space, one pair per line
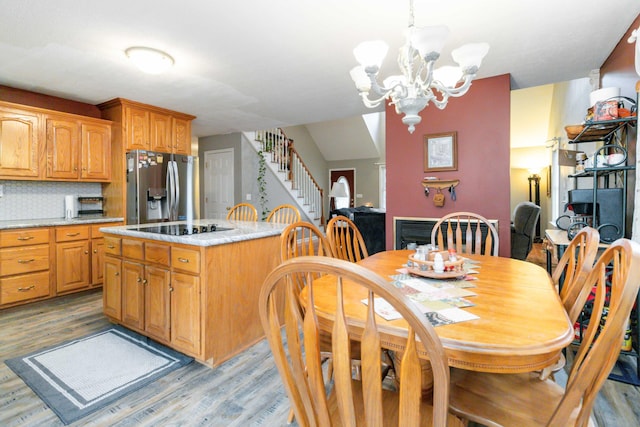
521, 325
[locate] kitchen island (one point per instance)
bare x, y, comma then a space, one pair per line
196, 293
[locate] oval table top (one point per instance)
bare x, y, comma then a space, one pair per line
522, 325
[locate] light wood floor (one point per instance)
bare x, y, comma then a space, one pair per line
245, 391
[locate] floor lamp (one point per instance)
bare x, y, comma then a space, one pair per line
534, 197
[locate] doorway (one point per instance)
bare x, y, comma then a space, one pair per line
218, 182
347, 176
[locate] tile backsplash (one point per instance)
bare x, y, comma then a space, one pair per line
39, 199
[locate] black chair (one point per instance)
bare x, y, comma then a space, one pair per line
523, 228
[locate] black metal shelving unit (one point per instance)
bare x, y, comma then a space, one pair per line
605, 131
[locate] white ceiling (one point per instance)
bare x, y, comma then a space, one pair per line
255, 64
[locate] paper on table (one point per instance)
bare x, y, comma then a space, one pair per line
448, 316
443, 316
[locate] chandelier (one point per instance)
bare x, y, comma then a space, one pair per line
419, 83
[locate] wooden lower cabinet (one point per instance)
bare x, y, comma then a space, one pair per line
157, 302
133, 294
198, 300
146, 295
97, 261
112, 288
44, 262
72, 266
185, 312
25, 257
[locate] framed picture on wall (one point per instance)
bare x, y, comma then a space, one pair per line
440, 152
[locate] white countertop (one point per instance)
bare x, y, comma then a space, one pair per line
52, 222
241, 230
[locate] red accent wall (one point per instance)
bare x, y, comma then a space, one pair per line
481, 119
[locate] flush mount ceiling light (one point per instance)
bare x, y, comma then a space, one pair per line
148, 60
419, 83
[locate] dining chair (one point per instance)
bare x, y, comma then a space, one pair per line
305, 239
350, 402
243, 212
345, 239
284, 214
573, 267
470, 225
569, 278
523, 399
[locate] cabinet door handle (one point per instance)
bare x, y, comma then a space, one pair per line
139, 280
86, 252
72, 234
26, 289
25, 261
95, 251
25, 238
144, 282
111, 246
117, 273
185, 260
170, 288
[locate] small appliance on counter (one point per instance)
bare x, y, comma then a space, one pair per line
90, 205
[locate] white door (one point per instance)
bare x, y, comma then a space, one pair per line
218, 183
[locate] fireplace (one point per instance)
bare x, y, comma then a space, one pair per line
418, 230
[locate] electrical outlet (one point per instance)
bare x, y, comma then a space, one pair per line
248, 196
1, 190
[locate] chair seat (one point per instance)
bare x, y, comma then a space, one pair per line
505, 400
390, 409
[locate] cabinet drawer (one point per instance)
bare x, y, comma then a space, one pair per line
154, 252
24, 237
24, 287
185, 259
112, 245
70, 233
24, 260
132, 249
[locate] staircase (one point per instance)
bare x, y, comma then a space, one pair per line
283, 160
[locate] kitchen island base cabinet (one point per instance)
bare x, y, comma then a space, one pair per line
112, 288
235, 273
200, 300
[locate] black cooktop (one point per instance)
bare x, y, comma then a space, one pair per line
181, 229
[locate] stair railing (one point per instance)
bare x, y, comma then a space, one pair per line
282, 152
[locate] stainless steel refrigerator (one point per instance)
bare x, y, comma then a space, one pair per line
161, 187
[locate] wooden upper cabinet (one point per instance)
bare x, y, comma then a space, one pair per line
181, 136
78, 149
19, 143
62, 148
96, 152
136, 128
160, 138
41, 144
145, 127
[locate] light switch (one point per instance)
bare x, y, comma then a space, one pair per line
248, 196
1, 190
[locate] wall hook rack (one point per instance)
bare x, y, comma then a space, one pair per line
439, 184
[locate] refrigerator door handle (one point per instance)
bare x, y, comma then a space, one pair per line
176, 183
170, 191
